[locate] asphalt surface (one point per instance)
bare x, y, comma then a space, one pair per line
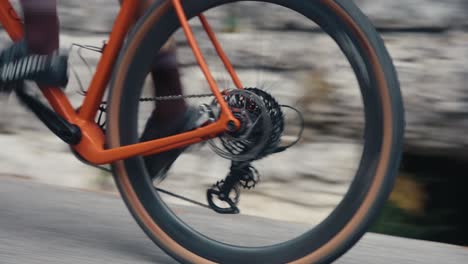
46, 224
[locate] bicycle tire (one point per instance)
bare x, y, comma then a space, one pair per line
384, 114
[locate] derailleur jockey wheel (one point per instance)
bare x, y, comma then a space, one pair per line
223, 197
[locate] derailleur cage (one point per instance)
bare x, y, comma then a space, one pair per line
227, 191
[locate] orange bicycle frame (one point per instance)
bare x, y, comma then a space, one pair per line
91, 147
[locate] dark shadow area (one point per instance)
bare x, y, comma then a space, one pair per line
429, 200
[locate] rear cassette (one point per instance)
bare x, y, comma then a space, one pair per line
262, 125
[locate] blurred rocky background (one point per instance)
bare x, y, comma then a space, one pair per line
428, 41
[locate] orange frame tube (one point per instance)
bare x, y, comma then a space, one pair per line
222, 55
91, 147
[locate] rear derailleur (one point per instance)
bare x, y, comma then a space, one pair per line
262, 125
223, 197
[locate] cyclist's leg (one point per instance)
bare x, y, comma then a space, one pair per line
168, 117
166, 80
41, 25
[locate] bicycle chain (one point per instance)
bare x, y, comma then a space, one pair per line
174, 97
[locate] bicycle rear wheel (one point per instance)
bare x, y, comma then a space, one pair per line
379, 131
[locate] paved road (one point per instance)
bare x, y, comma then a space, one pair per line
46, 224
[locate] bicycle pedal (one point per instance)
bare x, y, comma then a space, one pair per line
58, 70
50, 70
